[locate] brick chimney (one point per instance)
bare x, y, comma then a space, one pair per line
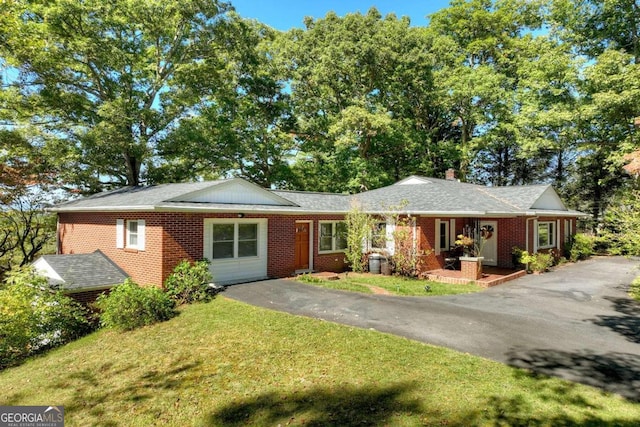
450, 175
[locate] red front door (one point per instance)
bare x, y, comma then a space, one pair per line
302, 246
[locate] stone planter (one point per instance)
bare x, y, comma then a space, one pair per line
471, 267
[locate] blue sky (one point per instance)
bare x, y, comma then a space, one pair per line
286, 14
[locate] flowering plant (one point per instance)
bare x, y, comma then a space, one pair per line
471, 246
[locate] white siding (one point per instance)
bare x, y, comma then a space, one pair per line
413, 181
235, 270
43, 267
550, 200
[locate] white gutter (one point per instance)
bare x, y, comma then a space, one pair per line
556, 213
282, 210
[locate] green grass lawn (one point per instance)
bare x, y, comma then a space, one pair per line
229, 364
396, 285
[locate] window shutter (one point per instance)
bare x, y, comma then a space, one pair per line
437, 236
119, 233
452, 233
141, 234
391, 242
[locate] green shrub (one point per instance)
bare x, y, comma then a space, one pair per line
189, 282
33, 318
516, 256
359, 228
539, 262
580, 247
634, 290
129, 306
621, 224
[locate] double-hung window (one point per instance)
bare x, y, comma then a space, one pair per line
442, 242
333, 236
234, 240
130, 234
379, 236
546, 234
443, 235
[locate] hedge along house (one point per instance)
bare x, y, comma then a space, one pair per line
251, 233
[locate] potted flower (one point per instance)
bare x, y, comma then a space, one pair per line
470, 263
467, 244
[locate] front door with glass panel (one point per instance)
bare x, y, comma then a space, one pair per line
490, 243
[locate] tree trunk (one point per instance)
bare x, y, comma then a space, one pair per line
133, 169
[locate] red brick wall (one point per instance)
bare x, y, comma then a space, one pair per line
174, 236
85, 232
511, 232
426, 230
282, 250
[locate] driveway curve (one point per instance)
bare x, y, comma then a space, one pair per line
576, 322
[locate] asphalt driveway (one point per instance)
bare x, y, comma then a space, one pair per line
576, 322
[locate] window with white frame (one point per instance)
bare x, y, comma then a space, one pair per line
234, 240
443, 236
379, 236
546, 234
130, 234
333, 236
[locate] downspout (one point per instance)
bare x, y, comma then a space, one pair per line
58, 234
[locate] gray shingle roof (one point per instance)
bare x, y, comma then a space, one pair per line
136, 197
80, 272
324, 202
418, 195
431, 196
521, 196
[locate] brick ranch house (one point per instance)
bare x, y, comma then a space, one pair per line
250, 233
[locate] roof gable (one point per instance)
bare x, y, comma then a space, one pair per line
233, 191
549, 200
526, 197
413, 180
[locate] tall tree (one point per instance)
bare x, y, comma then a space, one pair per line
245, 129
605, 34
362, 92
478, 45
593, 26
106, 81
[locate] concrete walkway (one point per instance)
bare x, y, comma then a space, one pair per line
575, 322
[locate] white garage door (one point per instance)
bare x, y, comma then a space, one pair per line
237, 249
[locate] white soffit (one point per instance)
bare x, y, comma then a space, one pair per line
549, 200
234, 191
